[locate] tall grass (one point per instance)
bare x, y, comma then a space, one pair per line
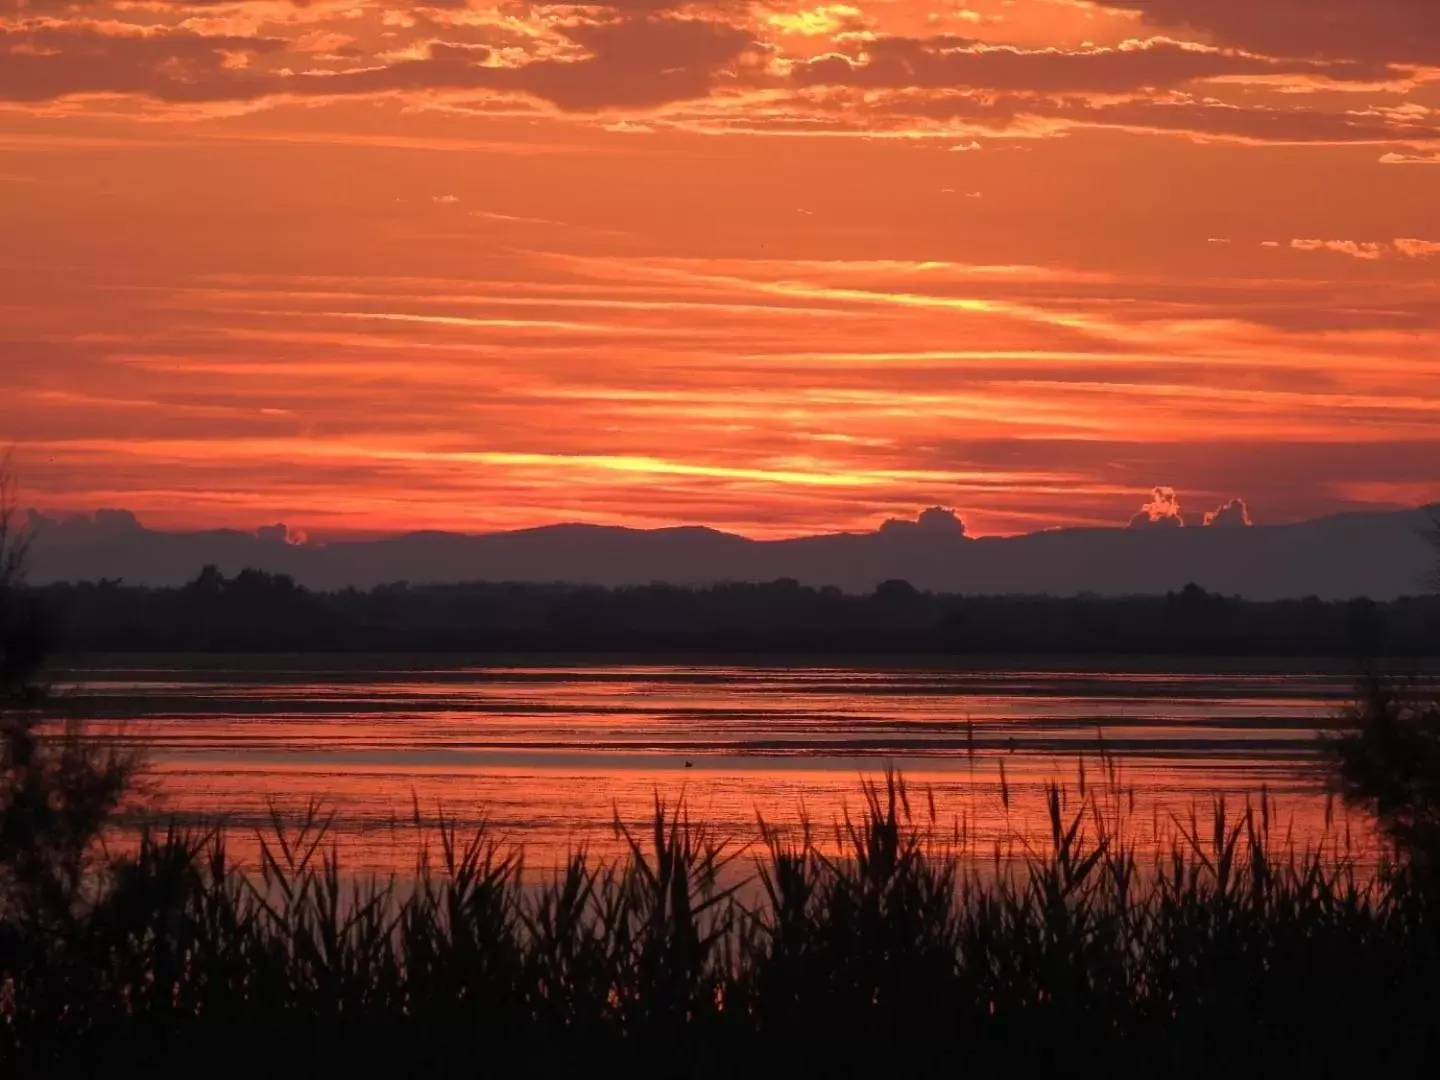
894, 948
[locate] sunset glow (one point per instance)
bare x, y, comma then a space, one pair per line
366, 267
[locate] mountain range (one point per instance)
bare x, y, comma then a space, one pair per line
1381, 555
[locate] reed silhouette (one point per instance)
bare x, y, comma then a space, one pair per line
893, 945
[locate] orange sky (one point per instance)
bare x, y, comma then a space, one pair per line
777, 268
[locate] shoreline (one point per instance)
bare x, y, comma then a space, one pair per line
1119, 664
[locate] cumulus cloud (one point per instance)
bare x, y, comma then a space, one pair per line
1162, 511
37, 522
116, 522
102, 524
1233, 514
281, 534
936, 521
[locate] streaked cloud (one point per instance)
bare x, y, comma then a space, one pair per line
778, 267
1153, 63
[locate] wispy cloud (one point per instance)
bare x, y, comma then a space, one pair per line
1373, 250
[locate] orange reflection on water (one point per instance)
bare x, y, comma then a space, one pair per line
549, 756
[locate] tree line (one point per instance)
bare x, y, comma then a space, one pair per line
255, 611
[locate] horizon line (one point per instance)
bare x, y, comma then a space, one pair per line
125, 520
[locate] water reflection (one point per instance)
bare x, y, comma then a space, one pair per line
549, 754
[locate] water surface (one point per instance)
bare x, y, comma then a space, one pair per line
548, 754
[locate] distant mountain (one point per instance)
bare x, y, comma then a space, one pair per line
1380, 555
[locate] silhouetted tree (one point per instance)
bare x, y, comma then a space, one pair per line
58, 788
209, 582
896, 591
1388, 760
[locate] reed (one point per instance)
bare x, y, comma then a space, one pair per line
896, 946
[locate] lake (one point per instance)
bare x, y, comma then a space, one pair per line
549, 752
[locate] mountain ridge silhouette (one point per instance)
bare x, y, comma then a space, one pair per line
1381, 555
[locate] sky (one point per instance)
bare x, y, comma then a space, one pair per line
777, 268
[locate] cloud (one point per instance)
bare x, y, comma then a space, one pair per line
644, 56
70, 528
1373, 250
37, 522
1367, 251
1395, 157
1210, 119
281, 534
44, 61
1417, 249
1232, 515
116, 522
637, 62
936, 521
1162, 511
1382, 31
631, 63
1135, 65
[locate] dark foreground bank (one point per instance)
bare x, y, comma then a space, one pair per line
886, 948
